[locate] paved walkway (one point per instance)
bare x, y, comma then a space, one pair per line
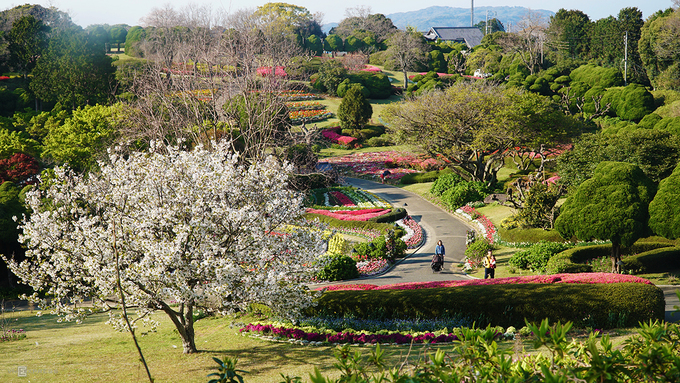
439, 224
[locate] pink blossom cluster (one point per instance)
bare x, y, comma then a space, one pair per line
342, 198
350, 215
4, 78
374, 163
587, 278
332, 135
267, 70
347, 337
371, 68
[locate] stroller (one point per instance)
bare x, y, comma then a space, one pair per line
437, 263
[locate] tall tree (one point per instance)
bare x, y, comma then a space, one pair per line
659, 49
74, 71
612, 205
27, 40
568, 33
409, 50
471, 124
527, 42
173, 232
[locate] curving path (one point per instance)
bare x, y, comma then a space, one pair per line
437, 225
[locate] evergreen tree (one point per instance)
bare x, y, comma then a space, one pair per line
354, 111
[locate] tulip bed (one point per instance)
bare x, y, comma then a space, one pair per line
347, 197
299, 105
296, 95
303, 116
350, 215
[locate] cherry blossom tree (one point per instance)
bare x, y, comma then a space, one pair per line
168, 230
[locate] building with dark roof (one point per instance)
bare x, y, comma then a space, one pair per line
471, 36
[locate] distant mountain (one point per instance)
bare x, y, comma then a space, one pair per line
460, 17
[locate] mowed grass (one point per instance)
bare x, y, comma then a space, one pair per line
94, 352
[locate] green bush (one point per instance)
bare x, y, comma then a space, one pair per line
383, 140
571, 260
337, 268
536, 257
444, 183
463, 193
504, 305
378, 248
653, 261
528, 235
476, 251
417, 178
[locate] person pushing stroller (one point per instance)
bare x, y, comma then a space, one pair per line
438, 257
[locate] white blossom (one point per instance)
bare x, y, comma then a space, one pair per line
193, 228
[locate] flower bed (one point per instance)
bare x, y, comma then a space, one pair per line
267, 70
300, 116
4, 78
354, 198
351, 215
346, 337
414, 233
296, 95
372, 267
543, 279
301, 105
371, 68
375, 163
485, 225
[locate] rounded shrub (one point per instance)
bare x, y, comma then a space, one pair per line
537, 256
463, 193
337, 268
444, 183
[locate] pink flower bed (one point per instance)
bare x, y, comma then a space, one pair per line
541, 279
489, 228
374, 163
416, 232
331, 135
4, 78
350, 215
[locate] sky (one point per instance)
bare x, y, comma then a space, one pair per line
86, 12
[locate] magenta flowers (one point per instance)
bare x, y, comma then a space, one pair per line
542, 279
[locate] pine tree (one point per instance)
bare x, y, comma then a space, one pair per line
354, 111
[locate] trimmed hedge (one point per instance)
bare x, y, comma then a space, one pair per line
570, 261
595, 305
653, 261
417, 178
394, 215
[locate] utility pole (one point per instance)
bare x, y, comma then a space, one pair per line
487, 23
472, 13
625, 59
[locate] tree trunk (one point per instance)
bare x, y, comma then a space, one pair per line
616, 257
184, 322
405, 79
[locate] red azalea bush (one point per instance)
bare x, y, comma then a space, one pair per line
543, 279
19, 168
332, 135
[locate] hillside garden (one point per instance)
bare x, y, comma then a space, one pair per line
188, 179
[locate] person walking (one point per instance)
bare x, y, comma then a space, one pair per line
489, 265
440, 251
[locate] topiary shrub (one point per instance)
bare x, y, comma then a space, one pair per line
337, 268
652, 261
381, 248
476, 251
537, 256
383, 140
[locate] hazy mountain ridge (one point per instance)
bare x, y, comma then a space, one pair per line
441, 16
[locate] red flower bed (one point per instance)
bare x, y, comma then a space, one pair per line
343, 199
4, 78
267, 70
555, 278
351, 215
